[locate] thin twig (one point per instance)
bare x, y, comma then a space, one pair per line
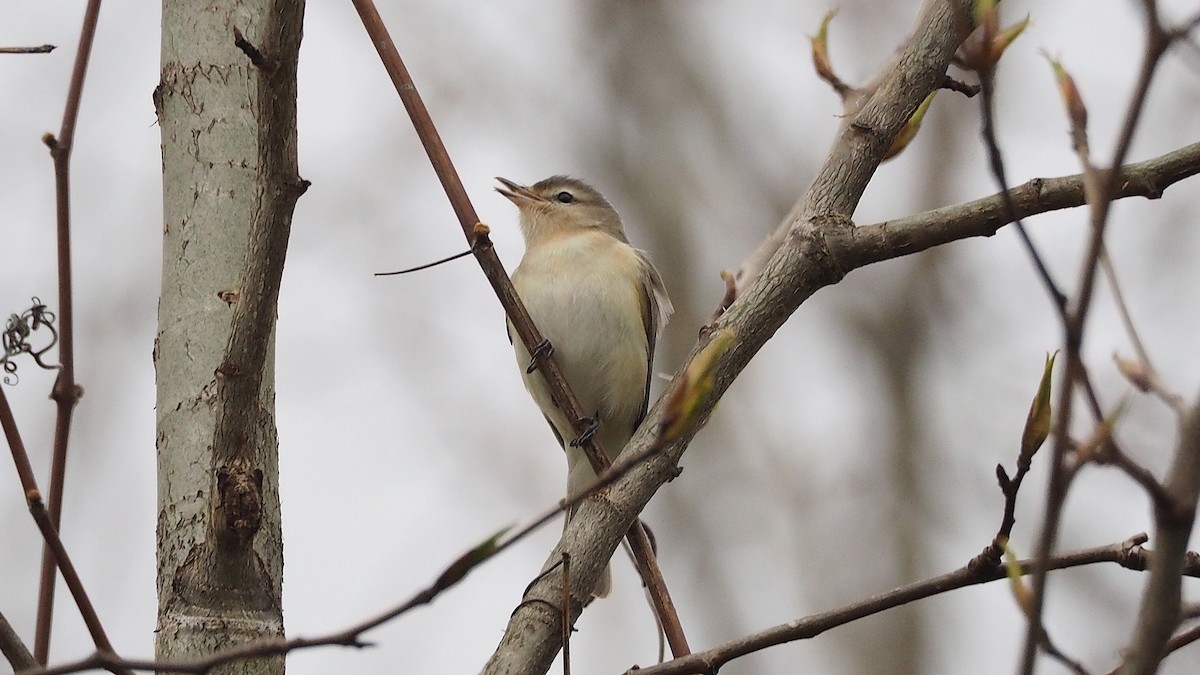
450, 576
996, 163
426, 266
1150, 380
528, 333
40, 49
1110, 273
66, 392
1128, 554
33, 498
1058, 299
1101, 186
1183, 638
14, 648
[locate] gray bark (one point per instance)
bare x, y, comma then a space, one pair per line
226, 106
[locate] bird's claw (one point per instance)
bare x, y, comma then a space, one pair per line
593, 426
543, 348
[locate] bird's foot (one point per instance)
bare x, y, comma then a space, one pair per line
593, 426
543, 348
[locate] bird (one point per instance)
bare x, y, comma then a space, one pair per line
600, 304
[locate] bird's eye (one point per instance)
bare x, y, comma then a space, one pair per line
565, 197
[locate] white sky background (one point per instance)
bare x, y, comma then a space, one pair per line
406, 436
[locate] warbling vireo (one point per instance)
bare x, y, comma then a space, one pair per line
599, 302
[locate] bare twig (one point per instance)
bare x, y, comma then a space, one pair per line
996, 164
528, 333
426, 266
1143, 376
1057, 654
453, 573
58, 553
14, 648
40, 49
66, 392
1148, 378
1100, 188
1183, 638
1128, 554
986, 216
1139, 348
867, 244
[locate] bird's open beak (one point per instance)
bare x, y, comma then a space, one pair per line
517, 193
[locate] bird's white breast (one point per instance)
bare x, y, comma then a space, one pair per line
584, 291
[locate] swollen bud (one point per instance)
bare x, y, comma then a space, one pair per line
982, 51
820, 52
910, 128
467, 561
684, 402
1037, 424
1012, 567
1076, 110
1134, 371
1101, 436
1006, 37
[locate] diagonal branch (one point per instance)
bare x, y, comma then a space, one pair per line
13, 648
352, 636
560, 391
816, 252
58, 552
1128, 554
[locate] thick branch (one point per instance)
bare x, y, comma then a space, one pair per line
805, 263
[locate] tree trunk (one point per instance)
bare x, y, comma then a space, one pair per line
226, 104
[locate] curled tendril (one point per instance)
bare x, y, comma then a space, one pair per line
14, 339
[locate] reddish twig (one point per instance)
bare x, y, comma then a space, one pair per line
492, 268
66, 392
33, 498
14, 648
453, 573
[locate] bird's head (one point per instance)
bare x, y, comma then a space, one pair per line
561, 205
